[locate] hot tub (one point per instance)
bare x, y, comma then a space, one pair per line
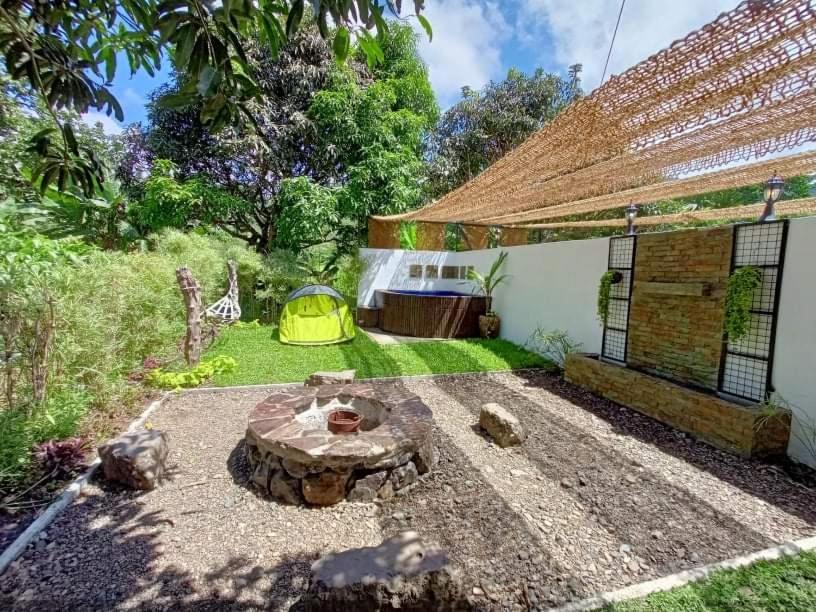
430, 314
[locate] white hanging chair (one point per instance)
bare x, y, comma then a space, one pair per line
227, 309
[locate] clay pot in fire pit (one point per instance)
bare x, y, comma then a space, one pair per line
344, 421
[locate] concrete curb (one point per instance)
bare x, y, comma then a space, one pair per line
197, 390
667, 583
71, 492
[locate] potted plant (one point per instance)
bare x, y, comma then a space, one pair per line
489, 323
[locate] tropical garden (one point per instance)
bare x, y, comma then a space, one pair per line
280, 179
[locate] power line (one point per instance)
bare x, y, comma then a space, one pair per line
612, 44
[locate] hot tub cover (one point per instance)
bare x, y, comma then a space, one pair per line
315, 314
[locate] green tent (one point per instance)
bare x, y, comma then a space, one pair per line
315, 314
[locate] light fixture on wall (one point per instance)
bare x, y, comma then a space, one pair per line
772, 192
631, 215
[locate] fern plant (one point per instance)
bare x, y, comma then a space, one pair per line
742, 284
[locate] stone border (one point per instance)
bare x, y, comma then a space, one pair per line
674, 581
262, 386
69, 494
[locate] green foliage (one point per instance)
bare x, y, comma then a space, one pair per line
68, 56
350, 269
487, 283
785, 584
554, 344
170, 202
112, 311
263, 359
742, 284
485, 125
608, 278
408, 235
201, 373
308, 213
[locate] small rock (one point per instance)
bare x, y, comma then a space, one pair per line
694, 557
478, 592
524, 555
657, 535
404, 475
630, 478
502, 426
625, 549
398, 516
567, 483
518, 473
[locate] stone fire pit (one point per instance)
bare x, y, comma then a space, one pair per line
295, 458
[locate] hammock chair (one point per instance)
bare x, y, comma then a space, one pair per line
227, 309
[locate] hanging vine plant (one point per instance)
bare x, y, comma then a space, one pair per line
609, 278
742, 284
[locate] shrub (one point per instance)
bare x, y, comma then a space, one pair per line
555, 344
112, 311
62, 457
192, 377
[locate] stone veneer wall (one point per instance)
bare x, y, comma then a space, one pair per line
737, 429
678, 304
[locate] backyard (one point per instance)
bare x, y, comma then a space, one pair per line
448, 306
262, 359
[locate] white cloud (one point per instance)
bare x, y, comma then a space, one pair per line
109, 125
466, 47
133, 96
581, 30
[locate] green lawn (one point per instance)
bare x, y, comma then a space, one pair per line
263, 359
786, 585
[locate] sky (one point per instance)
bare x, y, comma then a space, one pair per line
476, 41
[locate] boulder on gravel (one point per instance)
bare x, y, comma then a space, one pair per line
343, 377
403, 573
502, 426
135, 459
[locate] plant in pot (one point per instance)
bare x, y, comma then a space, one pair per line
489, 323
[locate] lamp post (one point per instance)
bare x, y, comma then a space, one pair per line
772, 192
631, 215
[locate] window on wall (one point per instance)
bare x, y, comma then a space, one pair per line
449, 272
431, 271
415, 271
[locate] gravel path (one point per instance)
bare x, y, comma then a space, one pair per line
598, 497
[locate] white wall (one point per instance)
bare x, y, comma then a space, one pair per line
553, 285
795, 352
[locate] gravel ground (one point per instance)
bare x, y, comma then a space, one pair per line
597, 498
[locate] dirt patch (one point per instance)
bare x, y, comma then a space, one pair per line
598, 497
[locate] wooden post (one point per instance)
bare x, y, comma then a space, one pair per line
191, 292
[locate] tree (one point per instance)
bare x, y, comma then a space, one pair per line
347, 142
67, 52
485, 125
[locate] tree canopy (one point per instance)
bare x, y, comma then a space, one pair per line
485, 125
67, 55
348, 136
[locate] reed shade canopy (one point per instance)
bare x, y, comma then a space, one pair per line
737, 89
790, 208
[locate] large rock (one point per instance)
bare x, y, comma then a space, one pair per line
343, 377
502, 426
403, 476
135, 459
325, 488
402, 573
365, 489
